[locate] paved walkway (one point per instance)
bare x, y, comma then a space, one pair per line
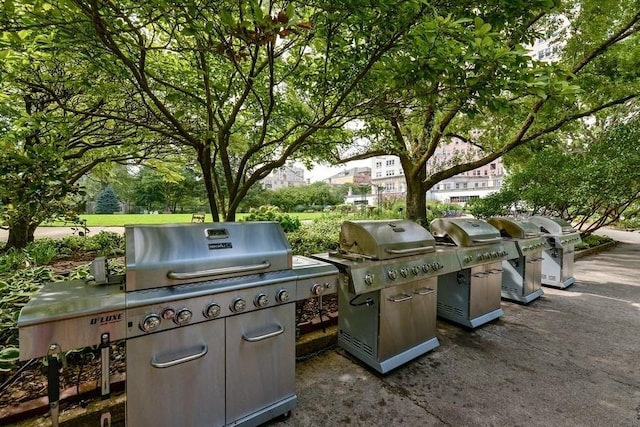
570, 358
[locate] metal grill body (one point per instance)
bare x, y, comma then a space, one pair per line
387, 291
558, 258
521, 276
208, 314
470, 296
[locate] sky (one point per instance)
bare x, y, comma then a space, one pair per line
320, 172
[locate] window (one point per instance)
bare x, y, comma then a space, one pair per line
378, 174
391, 172
378, 164
391, 162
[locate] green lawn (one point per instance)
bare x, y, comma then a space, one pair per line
119, 220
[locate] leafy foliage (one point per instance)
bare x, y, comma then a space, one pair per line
591, 188
107, 201
319, 236
273, 213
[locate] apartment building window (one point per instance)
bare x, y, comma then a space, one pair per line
486, 172
378, 174
391, 172
378, 164
391, 162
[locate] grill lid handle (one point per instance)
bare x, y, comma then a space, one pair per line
410, 250
491, 240
218, 271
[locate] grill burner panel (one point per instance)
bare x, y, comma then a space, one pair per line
371, 275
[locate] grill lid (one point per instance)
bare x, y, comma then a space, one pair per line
552, 225
385, 239
465, 231
515, 228
171, 254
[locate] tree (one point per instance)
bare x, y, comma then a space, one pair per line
45, 150
107, 201
464, 72
590, 187
246, 85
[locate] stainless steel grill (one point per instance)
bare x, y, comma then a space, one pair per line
521, 276
558, 258
388, 290
208, 314
470, 296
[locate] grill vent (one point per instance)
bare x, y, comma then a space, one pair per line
450, 310
356, 343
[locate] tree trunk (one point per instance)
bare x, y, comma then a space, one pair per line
20, 234
204, 159
417, 199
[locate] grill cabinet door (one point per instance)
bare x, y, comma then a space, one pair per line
260, 372
484, 289
184, 394
407, 316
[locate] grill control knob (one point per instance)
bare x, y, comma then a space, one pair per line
238, 305
261, 300
425, 268
317, 289
282, 296
368, 279
182, 317
392, 274
211, 311
404, 272
168, 313
150, 322
415, 270
467, 259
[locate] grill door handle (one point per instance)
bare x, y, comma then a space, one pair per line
401, 298
175, 362
410, 250
491, 240
218, 271
424, 291
256, 338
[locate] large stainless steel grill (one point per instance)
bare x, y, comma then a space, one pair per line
388, 290
521, 276
558, 258
470, 296
208, 314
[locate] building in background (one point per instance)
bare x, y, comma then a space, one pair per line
388, 181
286, 176
356, 176
473, 184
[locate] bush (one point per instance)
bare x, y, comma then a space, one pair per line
593, 240
273, 213
320, 236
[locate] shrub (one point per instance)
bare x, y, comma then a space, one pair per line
273, 213
321, 235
